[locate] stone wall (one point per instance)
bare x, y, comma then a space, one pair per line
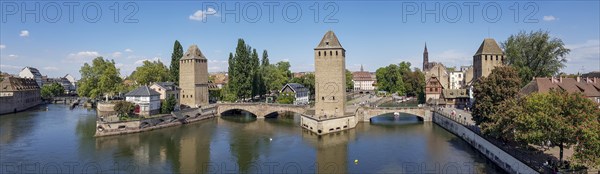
492, 152
157, 122
325, 126
105, 109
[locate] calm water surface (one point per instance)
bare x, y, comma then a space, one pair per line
61, 140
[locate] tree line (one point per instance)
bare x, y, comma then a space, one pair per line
402, 80
550, 119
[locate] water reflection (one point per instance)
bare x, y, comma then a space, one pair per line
235, 144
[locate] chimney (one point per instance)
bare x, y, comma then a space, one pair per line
560, 79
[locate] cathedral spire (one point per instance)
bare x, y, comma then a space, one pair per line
361, 68
425, 58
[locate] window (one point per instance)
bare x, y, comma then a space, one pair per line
336, 53
331, 53
333, 97
319, 53
325, 52
322, 98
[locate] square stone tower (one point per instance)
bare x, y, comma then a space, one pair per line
488, 56
193, 78
330, 77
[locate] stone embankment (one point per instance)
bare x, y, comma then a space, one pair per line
107, 127
497, 155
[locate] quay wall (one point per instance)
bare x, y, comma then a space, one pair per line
157, 122
492, 152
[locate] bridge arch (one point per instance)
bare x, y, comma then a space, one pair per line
365, 114
260, 109
419, 117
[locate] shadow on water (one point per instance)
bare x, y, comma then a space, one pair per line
391, 120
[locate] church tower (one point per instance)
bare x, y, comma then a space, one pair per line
425, 59
330, 77
193, 78
488, 56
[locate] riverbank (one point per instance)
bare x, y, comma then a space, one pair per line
110, 128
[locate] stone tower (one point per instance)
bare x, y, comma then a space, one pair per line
193, 78
488, 56
330, 77
425, 59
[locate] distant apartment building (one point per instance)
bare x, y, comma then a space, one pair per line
363, 80
18, 94
146, 100
32, 73
459, 79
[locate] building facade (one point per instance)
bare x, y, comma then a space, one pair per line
166, 90
330, 77
146, 100
456, 98
488, 56
363, 81
300, 93
18, 94
32, 73
193, 78
433, 91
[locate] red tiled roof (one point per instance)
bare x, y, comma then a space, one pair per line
589, 87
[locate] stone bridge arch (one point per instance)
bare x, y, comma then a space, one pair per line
366, 113
260, 109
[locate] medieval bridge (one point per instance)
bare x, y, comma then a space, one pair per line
363, 114
261, 109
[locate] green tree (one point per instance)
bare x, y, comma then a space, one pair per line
255, 73
124, 108
150, 72
175, 56
265, 59
390, 79
52, 90
286, 98
535, 54
349, 83
502, 84
100, 78
562, 119
168, 105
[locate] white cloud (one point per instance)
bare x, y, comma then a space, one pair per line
451, 58
549, 18
2, 46
285, 60
24, 33
141, 61
128, 50
50, 68
9, 57
586, 55
10, 67
215, 65
202, 14
83, 56
117, 54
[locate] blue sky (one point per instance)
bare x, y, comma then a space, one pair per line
374, 34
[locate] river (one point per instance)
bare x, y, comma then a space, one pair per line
61, 140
